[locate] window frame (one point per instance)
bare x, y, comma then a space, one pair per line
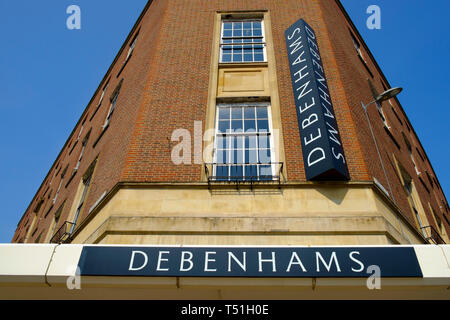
86, 184
263, 42
131, 47
112, 107
270, 134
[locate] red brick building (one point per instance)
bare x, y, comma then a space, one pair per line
119, 180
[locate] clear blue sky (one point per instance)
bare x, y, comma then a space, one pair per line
49, 73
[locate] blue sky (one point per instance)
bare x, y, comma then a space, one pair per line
49, 74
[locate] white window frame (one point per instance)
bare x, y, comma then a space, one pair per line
383, 116
132, 46
263, 43
86, 185
112, 106
270, 133
103, 93
60, 184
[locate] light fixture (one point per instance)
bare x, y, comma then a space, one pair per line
388, 94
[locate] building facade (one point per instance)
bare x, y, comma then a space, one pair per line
203, 133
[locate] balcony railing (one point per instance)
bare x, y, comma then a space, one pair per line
433, 236
63, 234
251, 174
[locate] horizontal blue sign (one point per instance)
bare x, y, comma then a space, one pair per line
323, 153
302, 262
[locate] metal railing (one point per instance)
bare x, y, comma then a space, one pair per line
244, 173
433, 236
63, 234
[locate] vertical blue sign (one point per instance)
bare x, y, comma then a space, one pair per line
323, 153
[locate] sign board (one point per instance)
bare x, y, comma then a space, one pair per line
292, 262
323, 153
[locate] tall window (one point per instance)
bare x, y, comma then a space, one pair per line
60, 184
408, 185
243, 146
242, 41
357, 46
382, 116
103, 93
86, 184
131, 49
408, 145
83, 148
111, 108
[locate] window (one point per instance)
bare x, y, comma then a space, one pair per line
382, 116
55, 222
86, 184
81, 130
409, 190
60, 184
85, 140
408, 145
438, 222
242, 41
360, 54
38, 239
357, 46
243, 146
103, 93
430, 181
131, 49
111, 110
112, 106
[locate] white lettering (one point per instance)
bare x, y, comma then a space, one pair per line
307, 122
297, 261
297, 30
314, 53
207, 260
313, 43
300, 75
183, 260
261, 261
327, 266
332, 132
133, 254
327, 112
303, 87
307, 106
338, 156
318, 159
357, 261
310, 32
297, 44
313, 138
317, 64
321, 80
325, 96
241, 264
160, 259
